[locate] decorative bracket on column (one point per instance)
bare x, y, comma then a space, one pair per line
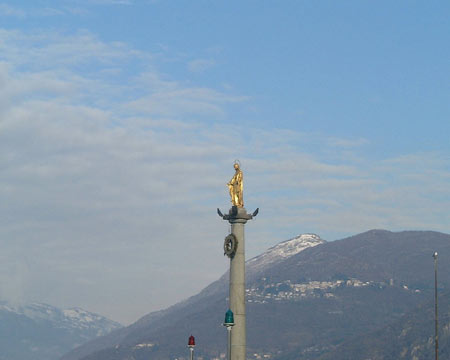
237, 213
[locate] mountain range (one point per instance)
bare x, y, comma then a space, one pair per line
369, 296
43, 332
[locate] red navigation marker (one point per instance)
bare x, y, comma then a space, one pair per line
191, 341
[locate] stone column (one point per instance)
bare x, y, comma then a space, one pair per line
237, 217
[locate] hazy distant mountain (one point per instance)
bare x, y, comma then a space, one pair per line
43, 332
307, 299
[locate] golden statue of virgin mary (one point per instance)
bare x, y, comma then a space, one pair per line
236, 187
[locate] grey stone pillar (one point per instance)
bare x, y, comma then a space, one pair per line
237, 217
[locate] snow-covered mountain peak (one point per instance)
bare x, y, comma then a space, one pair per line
295, 245
46, 332
74, 318
81, 315
284, 250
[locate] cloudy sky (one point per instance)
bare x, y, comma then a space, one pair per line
120, 121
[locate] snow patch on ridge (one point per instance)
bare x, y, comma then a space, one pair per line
283, 250
81, 315
75, 318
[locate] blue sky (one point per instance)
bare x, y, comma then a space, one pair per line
120, 121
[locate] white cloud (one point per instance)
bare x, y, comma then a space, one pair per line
201, 101
110, 2
44, 50
21, 13
348, 143
200, 65
104, 180
8, 10
49, 11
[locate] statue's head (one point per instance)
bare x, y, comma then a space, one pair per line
236, 166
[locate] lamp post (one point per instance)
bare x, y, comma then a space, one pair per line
229, 323
436, 334
191, 345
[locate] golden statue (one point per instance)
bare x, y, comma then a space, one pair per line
236, 187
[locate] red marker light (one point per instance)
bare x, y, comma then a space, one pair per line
191, 341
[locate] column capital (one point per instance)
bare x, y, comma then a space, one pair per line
237, 215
